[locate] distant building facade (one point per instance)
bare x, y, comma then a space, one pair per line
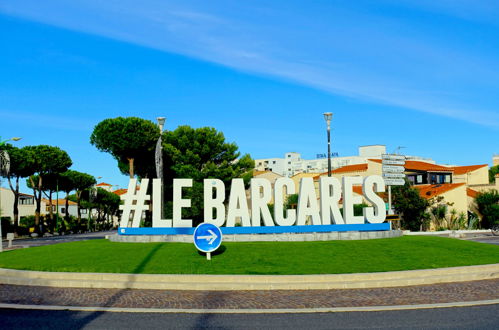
293, 164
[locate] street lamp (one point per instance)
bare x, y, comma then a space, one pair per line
161, 122
4, 169
327, 117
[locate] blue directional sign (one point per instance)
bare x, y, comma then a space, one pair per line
207, 237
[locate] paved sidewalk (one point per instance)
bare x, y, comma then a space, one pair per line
277, 299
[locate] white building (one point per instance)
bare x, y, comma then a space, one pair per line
26, 204
61, 208
292, 163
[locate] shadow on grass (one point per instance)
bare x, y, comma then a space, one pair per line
116, 297
217, 252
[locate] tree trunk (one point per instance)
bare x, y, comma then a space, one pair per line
51, 211
78, 194
89, 218
67, 207
38, 199
16, 202
130, 167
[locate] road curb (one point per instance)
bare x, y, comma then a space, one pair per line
252, 311
249, 282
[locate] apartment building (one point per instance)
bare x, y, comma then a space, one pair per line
293, 164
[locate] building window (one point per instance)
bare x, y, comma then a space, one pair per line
63, 210
83, 211
26, 201
419, 179
273, 162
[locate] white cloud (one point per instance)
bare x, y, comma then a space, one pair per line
382, 60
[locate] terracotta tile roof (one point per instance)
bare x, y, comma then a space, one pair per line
471, 193
467, 169
60, 201
357, 190
103, 184
120, 192
346, 169
431, 190
413, 165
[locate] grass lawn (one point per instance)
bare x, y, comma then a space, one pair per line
333, 257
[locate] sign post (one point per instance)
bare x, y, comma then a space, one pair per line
207, 238
393, 174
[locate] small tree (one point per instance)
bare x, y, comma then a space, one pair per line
493, 171
81, 182
46, 160
66, 184
49, 186
107, 204
410, 206
129, 140
487, 204
20, 167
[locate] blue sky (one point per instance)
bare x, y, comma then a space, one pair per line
418, 74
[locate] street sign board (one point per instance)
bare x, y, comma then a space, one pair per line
393, 169
392, 162
394, 182
392, 157
394, 175
207, 237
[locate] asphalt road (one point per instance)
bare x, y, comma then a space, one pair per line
477, 317
30, 242
484, 238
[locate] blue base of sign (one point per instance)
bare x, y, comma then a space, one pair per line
258, 230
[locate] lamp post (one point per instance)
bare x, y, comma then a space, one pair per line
4, 170
159, 157
159, 149
327, 117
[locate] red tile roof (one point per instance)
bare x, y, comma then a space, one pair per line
467, 169
59, 201
413, 165
120, 192
346, 169
103, 184
471, 193
429, 191
357, 190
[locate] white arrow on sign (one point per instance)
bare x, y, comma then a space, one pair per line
392, 157
393, 169
394, 175
392, 162
211, 238
394, 182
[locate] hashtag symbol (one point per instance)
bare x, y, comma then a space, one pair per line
134, 201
